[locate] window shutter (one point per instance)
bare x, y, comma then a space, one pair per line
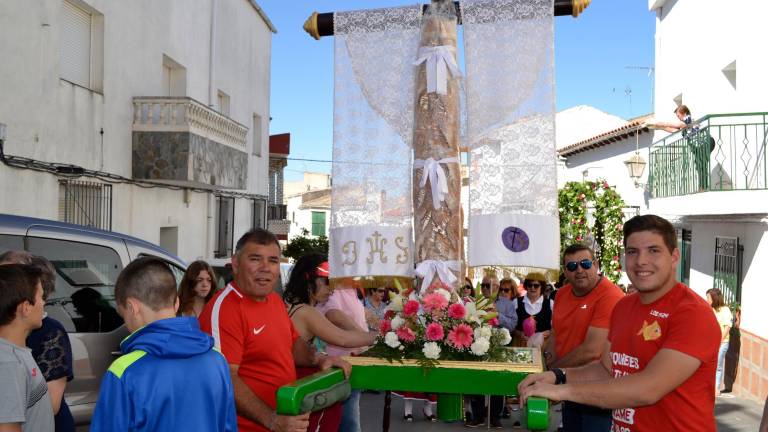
75, 51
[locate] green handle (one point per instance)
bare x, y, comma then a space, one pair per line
537, 413
312, 392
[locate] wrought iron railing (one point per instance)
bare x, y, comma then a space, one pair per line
276, 212
727, 153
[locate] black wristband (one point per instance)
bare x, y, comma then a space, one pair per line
559, 376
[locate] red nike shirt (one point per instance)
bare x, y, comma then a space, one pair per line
258, 336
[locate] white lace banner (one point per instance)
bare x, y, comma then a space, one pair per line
509, 59
370, 250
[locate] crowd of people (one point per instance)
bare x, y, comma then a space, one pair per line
204, 357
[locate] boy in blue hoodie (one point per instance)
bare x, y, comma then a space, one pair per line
169, 377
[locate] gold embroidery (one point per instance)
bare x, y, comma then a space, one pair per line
347, 251
377, 247
401, 258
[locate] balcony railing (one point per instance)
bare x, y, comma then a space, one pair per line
183, 114
276, 212
728, 153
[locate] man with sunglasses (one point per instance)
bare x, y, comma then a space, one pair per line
580, 329
657, 370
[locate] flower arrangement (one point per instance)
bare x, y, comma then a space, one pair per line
608, 214
435, 325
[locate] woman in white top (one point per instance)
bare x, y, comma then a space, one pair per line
725, 319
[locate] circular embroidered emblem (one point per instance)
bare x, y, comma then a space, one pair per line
515, 239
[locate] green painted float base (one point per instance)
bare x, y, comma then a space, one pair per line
450, 407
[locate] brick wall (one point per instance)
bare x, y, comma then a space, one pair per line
751, 366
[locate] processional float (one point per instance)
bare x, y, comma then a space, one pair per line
403, 113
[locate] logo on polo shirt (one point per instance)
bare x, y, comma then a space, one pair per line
259, 330
583, 306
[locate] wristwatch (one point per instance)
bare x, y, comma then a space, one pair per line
559, 376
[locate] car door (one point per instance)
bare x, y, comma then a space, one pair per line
87, 264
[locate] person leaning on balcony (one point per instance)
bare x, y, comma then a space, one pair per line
696, 142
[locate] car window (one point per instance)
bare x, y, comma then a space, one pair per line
178, 272
84, 299
11, 242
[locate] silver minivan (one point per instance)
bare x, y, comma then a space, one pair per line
87, 263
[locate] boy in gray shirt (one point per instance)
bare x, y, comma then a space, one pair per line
25, 405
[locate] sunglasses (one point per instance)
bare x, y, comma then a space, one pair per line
505, 290
532, 285
571, 266
485, 285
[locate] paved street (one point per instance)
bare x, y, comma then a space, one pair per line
732, 414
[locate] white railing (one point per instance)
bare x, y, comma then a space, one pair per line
183, 114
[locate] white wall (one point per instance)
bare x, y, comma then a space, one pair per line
695, 40
302, 218
752, 235
50, 119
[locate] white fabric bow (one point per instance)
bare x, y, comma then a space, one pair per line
437, 177
439, 60
427, 269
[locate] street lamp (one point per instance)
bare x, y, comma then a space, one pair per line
636, 164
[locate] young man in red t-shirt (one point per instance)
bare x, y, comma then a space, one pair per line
251, 327
580, 322
658, 369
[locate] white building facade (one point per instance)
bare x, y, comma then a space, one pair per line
156, 112
309, 205
714, 187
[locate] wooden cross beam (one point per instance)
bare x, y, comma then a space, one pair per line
321, 24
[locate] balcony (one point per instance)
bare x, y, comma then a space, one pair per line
179, 140
277, 212
728, 154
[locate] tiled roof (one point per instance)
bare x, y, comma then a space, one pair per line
607, 138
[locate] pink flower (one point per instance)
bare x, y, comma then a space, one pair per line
437, 285
411, 308
605, 185
461, 336
405, 334
385, 326
582, 196
434, 302
389, 314
435, 332
579, 238
529, 326
494, 322
456, 311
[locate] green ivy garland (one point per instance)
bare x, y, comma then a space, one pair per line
574, 200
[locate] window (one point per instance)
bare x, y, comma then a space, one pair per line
174, 78
256, 135
81, 45
169, 239
11, 242
318, 223
86, 203
259, 211
84, 299
728, 259
225, 215
223, 103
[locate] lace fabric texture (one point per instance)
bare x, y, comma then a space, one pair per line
509, 59
373, 127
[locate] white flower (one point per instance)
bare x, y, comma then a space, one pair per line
480, 346
397, 322
473, 315
396, 304
483, 332
444, 293
431, 350
391, 340
506, 338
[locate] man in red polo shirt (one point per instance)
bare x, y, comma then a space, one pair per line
251, 327
658, 368
580, 322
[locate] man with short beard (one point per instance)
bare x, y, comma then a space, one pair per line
580, 323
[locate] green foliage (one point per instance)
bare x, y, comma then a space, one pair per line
305, 244
574, 200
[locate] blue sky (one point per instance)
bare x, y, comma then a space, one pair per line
592, 56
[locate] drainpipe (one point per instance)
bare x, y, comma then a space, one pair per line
212, 54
